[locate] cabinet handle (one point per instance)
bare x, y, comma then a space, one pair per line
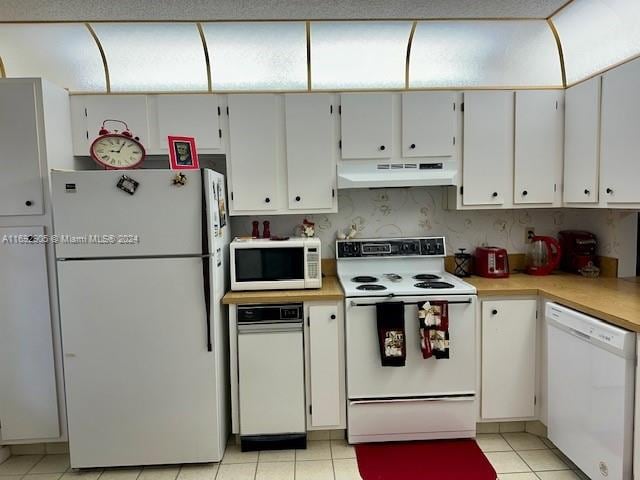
525, 193
333, 317
28, 203
412, 146
494, 194
494, 312
587, 192
382, 147
267, 200
298, 198
609, 191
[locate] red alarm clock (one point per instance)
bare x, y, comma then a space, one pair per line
114, 150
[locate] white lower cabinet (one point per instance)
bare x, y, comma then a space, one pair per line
325, 366
28, 393
636, 455
508, 374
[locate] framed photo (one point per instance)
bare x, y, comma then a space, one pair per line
182, 153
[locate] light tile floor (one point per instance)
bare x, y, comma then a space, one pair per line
514, 455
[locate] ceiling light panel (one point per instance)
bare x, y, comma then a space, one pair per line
596, 34
257, 55
359, 55
484, 53
153, 57
65, 54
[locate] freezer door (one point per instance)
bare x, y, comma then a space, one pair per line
141, 384
101, 220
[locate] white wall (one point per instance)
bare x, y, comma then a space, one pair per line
418, 211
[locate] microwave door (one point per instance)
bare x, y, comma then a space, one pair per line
269, 268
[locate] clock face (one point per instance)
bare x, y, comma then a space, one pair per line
117, 151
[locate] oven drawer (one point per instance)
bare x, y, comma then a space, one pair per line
411, 419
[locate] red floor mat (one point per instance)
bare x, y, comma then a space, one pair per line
425, 460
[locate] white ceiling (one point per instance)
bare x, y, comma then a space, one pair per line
80, 10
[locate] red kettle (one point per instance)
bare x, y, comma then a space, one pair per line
543, 255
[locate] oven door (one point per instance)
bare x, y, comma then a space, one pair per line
419, 378
273, 267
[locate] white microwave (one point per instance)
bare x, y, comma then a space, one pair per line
263, 264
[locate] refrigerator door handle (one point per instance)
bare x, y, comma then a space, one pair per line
205, 259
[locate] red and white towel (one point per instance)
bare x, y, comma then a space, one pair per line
433, 317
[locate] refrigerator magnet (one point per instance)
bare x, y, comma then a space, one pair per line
127, 184
182, 153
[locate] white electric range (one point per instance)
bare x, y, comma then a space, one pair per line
426, 398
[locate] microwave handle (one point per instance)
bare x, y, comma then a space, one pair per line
206, 282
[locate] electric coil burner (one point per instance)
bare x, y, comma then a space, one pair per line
426, 276
433, 284
364, 279
371, 286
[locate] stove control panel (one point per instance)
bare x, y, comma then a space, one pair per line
391, 247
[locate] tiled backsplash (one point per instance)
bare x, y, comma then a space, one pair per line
418, 211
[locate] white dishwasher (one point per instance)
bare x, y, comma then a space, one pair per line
591, 374
271, 377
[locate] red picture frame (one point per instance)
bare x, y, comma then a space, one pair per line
182, 153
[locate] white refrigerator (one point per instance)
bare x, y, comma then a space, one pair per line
142, 259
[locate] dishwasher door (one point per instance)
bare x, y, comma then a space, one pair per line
271, 378
591, 391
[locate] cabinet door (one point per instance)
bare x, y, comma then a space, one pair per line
253, 152
367, 122
428, 124
20, 176
311, 169
538, 147
508, 358
28, 398
582, 142
191, 116
620, 155
131, 109
326, 366
488, 148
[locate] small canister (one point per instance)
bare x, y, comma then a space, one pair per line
463, 263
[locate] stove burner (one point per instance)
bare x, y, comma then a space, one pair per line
364, 279
426, 276
433, 285
371, 286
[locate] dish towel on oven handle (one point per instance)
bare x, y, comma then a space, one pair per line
391, 334
433, 317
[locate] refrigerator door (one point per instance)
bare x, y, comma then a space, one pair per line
142, 387
99, 219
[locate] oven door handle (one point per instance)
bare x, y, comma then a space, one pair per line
465, 398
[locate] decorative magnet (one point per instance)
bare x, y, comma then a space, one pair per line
179, 179
127, 184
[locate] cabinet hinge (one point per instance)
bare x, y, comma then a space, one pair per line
340, 144
461, 190
220, 133
218, 110
462, 107
339, 109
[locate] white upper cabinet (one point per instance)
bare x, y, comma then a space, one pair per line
21, 188
90, 111
367, 124
508, 359
428, 124
253, 152
538, 146
187, 115
582, 142
487, 169
310, 147
620, 148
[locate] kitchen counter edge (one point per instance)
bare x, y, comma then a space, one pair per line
330, 291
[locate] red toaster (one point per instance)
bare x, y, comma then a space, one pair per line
491, 262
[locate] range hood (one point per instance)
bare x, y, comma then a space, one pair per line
388, 175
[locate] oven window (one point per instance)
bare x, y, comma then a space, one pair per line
268, 264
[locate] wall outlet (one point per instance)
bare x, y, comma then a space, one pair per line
529, 233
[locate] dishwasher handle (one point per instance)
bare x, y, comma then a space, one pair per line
269, 327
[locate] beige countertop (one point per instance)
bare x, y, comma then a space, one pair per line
615, 300
331, 290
